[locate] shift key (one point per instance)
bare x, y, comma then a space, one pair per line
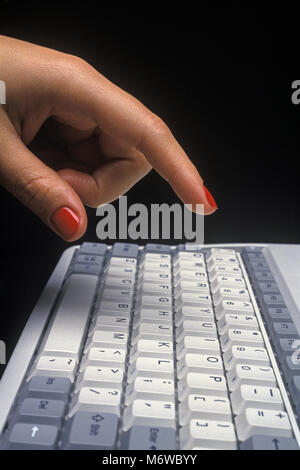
91, 430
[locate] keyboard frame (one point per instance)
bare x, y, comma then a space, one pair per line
287, 277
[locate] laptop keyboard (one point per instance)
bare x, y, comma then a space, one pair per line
163, 348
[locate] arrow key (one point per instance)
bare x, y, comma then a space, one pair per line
261, 442
25, 436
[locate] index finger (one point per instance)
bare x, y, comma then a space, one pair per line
122, 116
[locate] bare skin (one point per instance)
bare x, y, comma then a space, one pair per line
95, 141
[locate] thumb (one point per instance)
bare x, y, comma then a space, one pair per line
39, 187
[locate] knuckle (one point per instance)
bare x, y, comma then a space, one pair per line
75, 61
34, 190
156, 125
154, 128
71, 66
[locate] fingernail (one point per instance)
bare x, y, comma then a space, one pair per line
66, 222
210, 198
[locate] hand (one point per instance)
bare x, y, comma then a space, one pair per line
89, 140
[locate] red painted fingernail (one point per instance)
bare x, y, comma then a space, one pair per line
66, 222
210, 198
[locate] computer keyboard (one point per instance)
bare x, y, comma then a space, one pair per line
160, 348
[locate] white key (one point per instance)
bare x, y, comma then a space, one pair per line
262, 421
231, 293
189, 255
189, 300
157, 267
150, 413
224, 270
150, 388
183, 264
151, 367
97, 399
208, 433
241, 338
152, 348
66, 332
198, 345
194, 314
125, 283
202, 363
155, 277
108, 357
250, 375
94, 376
222, 251
121, 272
233, 307
107, 339
153, 315
206, 384
149, 288
117, 294
206, 448
193, 328
195, 275
118, 261
119, 308
227, 281
245, 355
204, 407
152, 330
192, 287
255, 396
245, 322
222, 260
158, 257
158, 301
112, 323
56, 366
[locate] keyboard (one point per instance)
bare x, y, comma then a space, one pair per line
160, 347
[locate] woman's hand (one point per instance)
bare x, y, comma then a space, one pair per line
89, 140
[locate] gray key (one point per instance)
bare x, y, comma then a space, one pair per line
286, 329
253, 249
153, 248
288, 345
273, 299
92, 248
92, 430
260, 442
259, 265
41, 410
90, 259
291, 367
264, 275
268, 286
125, 250
32, 436
279, 313
149, 438
295, 391
57, 388
81, 268
258, 256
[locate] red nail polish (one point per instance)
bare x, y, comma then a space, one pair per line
210, 198
66, 222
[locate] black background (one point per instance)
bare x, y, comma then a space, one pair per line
220, 77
